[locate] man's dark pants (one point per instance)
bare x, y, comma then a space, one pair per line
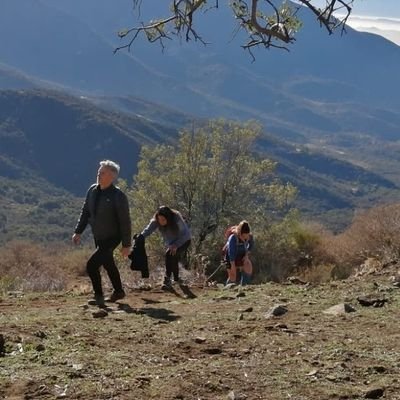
103, 256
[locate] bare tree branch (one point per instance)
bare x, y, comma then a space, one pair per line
274, 28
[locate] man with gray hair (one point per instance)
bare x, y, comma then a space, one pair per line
106, 210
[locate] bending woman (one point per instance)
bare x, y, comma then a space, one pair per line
238, 247
177, 237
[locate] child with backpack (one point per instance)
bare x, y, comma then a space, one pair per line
237, 248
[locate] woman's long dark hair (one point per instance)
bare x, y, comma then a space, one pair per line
170, 215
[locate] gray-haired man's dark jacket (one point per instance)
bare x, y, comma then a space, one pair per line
107, 212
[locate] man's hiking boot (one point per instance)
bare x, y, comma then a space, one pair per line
166, 284
180, 282
115, 296
97, 301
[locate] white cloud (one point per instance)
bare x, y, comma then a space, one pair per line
386, 27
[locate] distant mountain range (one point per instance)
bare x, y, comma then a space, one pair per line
330, 106
51, 143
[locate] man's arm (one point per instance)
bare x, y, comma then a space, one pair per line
82, 220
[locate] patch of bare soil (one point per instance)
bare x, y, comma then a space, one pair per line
206, 344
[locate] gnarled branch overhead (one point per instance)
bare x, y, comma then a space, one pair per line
267, 23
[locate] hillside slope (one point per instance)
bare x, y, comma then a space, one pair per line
216, 345
52, 140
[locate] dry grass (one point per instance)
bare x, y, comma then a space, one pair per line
30, 266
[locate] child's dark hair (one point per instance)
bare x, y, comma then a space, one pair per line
243, 227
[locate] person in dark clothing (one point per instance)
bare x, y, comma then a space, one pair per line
106, 210
177, 238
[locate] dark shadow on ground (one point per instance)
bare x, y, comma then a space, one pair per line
187, 292
159, 313
150, 301
156, 313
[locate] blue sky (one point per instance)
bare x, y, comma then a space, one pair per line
379, 8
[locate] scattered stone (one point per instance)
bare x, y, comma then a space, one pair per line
248, 309
240, 317
379, 369
224, 297
40, 334
339, 309
200, 339
375, 393
235, 396
144, 378
294, 280
280, 326
276, 311
16, 294
240, 294
213, 350
100, 313
84, 306
40, 347
368, 301
2, 346
313, 372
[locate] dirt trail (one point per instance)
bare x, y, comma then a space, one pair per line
208, 344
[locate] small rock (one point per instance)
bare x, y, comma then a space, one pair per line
100, 313
41, 334
294, 280
213, 350
40, 347
2, 345
240, 294
379, 369
276, 311
200, 339
240, 317
375, 393
280, 326
313, 372
367, 301
231, 395
235, 396
248, 309
342, 308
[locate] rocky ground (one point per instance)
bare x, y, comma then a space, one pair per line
206, 343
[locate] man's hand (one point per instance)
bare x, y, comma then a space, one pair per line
172, 249
76, 238
125, 251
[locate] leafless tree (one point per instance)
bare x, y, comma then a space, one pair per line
267, 23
